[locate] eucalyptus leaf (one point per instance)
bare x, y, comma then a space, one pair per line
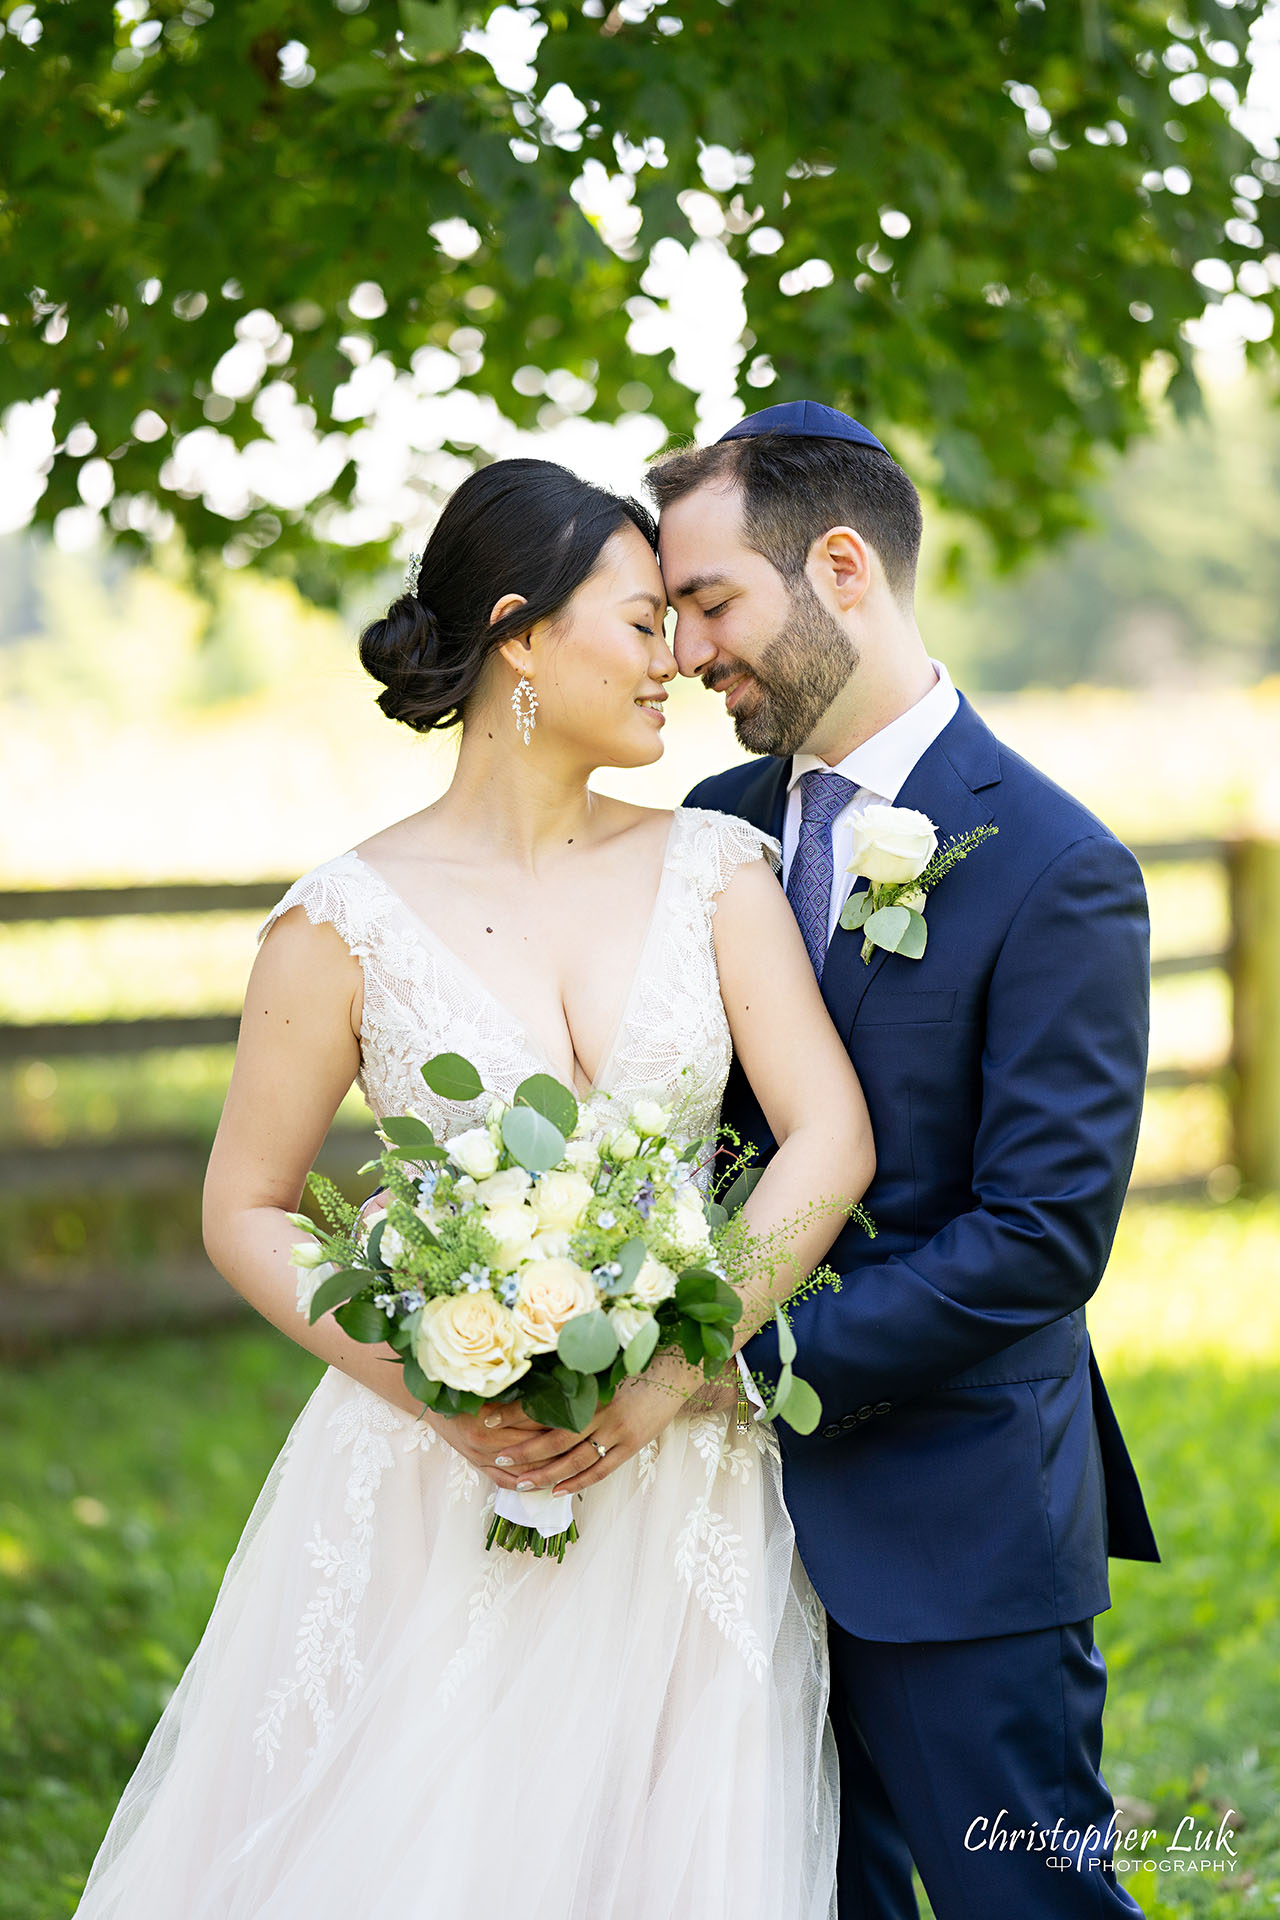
640, 1349
780, 1392
742, 1189
631, 1256
801, 1408
915, 939
855, 910
887, 927
531, 1139
453, 1078
588, 1342
551, 1099
717, 1216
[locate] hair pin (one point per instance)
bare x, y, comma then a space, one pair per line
411, 573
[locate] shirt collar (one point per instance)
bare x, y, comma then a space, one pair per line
883, 763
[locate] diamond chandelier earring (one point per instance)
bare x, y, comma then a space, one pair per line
524, 704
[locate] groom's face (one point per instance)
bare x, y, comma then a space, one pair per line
772, 649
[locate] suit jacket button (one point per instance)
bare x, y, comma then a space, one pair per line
865, 1413
831, 1433
850, 1420
884, 1406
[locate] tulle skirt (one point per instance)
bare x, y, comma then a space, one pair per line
384, 1720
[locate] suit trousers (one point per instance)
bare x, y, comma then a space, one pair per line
978, 1760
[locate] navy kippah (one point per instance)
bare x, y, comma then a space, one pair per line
806, 418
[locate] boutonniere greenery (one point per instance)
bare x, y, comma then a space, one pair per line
896, 851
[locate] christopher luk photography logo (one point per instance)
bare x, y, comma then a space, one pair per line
1192, 1847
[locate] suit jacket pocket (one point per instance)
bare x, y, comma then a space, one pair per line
906, 1008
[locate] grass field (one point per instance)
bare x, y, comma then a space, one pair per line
132, 1467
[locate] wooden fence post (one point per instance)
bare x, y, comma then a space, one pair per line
1254, 868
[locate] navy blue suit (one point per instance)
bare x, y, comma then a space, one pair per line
957, 1504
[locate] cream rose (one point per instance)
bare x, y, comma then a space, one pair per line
505, 1189
653, 1283
471, 1342
560, 1200
691, 1232
649, 1119
512, 1228
550, 1246
892, 845
583, 1156
475, 1152
624, 1145
627, 1323
550, 1293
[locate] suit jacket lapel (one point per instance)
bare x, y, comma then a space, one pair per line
938, 787
763, 800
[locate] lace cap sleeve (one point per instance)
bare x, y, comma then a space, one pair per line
329, 892
720, 843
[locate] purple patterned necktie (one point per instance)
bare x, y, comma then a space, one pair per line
822, 796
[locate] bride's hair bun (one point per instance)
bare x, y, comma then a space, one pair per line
516, 526
401, 650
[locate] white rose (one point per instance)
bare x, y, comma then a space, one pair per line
512, 1228
915, 900
474, 1151
627, 1322
624, 1145
583, 1156
464, 1188
391, 1247
550, 1293
471, 1342
549, 1246
505, 1189
649, 1118
653, 1283
309, 1278
560, 1200
892, 845
691, 1231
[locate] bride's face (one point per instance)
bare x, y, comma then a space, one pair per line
600, 668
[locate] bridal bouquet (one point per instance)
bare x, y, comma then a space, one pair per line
542, 1257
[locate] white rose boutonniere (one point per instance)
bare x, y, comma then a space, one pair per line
895, 849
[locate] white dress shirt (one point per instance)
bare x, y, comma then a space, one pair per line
879, 769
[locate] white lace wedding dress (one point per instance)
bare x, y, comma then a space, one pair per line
383, 1721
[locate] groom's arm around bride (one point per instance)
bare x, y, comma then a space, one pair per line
956, 1506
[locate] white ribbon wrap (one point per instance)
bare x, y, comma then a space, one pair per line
546, 1512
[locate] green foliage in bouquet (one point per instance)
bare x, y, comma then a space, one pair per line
548, 1255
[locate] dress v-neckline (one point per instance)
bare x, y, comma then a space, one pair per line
596, 1086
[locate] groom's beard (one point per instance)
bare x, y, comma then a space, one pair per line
801, 671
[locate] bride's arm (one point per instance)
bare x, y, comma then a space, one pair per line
811, 1098
297, 1055
806, 1086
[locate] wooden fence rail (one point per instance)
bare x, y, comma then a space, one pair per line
1250, 1075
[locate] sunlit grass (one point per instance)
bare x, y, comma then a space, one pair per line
131, 1466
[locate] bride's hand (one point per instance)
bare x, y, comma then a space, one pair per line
639, 1411
483, 1438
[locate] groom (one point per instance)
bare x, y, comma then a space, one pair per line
956, 1506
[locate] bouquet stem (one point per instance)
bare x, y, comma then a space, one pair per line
520, 1539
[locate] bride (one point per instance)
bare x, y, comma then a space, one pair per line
382, 1719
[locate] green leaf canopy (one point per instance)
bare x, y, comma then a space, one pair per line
972, 227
